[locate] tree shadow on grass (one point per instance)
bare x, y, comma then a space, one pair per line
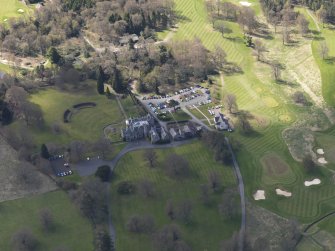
330, 60
287, 83
235, 39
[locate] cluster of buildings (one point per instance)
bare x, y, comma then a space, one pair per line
144, 127
147, 128
221, 122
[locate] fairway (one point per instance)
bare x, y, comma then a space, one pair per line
207, 227
69, 225
257, 93
9, 8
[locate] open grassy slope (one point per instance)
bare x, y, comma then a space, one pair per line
71, 230
9, 8
86, 124
257, 93
207, 228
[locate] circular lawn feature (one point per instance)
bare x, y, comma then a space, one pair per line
275, 170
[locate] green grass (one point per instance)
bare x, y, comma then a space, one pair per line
9, 9
207, 228
71, 230
87, 124
257, 93
5, 68
327, 67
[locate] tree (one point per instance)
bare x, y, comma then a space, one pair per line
230, 103
228, 206
323, 49
90, 198
303, 24
299, 98
26, 176
24, 240
173, 103
45, 152
309, 164
204, 194
116, 80
214, 180
102, 241
322, 15
243, 120
184, 211
100, 81
146, 188
259, 48
176, 166
140, 224
103, 146
221, 27
125, 187
103, 173
169, 238
276, 70
170, 210
54, 56
46, 219
150, 156
218, 57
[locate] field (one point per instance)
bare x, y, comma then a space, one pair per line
86, 124
9, 9
206, 229
69, 227
260, 95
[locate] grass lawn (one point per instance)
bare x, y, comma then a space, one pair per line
9, 9
327, 67
207, 228
5, 68
271, 104
86, 124
71, 230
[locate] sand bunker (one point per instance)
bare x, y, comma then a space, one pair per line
244, 3
284, 193
322, 160
20, 11
320, 151
259, 195
312, 182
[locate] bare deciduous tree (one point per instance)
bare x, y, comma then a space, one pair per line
176, 166
46, 219
303, 24
170, 210
184, 211
146, 188
150, 156
259, 48
214, 180
24, 240
140, 224
103, 146
230, 102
